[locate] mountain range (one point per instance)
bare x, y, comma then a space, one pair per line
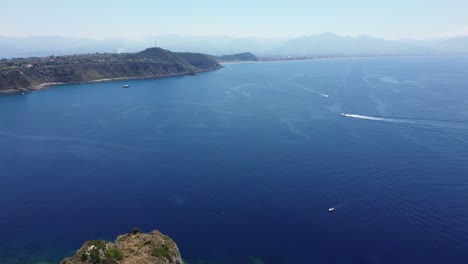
321, 44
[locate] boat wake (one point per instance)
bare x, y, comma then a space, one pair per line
374, 118
309, 90
429, 122
338, 206
444, 128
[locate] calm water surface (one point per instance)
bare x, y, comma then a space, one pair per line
241, 165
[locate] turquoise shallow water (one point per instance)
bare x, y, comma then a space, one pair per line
243, 163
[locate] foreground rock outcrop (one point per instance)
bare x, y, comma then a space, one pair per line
134, 248
26, 74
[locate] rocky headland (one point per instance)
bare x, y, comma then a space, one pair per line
27, 74
240, 57
133, 248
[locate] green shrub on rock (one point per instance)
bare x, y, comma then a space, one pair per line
115, 253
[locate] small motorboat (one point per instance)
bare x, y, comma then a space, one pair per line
126, 86
331, 209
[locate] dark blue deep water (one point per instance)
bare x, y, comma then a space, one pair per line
241, 165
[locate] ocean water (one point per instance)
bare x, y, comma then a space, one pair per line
241, 165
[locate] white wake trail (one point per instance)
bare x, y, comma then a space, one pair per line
443, 128
374, 118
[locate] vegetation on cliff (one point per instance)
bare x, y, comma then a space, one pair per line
134, 248
247, 56
25, 74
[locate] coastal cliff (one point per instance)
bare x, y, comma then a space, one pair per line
27, 74
133, 248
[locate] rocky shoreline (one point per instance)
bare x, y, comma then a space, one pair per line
43, 86
133, 248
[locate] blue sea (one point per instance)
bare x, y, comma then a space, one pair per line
240, 165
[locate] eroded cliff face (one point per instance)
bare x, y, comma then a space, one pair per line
21, 75
133, 248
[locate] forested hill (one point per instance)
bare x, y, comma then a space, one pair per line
246, 56
26, 74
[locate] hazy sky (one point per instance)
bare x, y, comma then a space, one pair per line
241, 18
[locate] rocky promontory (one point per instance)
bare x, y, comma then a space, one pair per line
133, 248
240, 57
26, 74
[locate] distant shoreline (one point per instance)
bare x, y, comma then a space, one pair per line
272, 59
278, 60
238, 62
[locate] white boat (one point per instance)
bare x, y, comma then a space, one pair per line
126, 86
331, 209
